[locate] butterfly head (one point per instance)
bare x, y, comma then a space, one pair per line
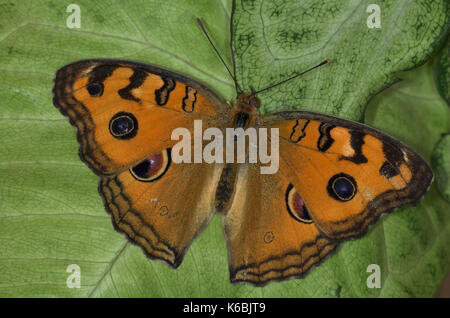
248, 102
245, 109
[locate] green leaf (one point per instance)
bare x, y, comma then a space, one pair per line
412, 111
442, 71
51, 215
274, 40
441, 165
417, 255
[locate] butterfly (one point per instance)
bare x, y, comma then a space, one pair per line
335, 177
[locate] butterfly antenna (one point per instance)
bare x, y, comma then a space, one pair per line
291, 78
217, 52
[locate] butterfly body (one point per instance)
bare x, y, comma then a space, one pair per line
335, 177
246, 106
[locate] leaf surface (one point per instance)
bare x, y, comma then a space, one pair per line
51, 215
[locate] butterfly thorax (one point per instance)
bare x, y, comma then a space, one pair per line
245, 110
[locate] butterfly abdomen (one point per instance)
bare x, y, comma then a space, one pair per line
225, 188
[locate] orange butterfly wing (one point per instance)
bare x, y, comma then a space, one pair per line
348, 174
265, 241
335, 178
125, 111
162, 214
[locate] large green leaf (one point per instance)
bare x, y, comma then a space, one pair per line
442, 71
441, 166
441, 153
417, 253
51, 215
276, 39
